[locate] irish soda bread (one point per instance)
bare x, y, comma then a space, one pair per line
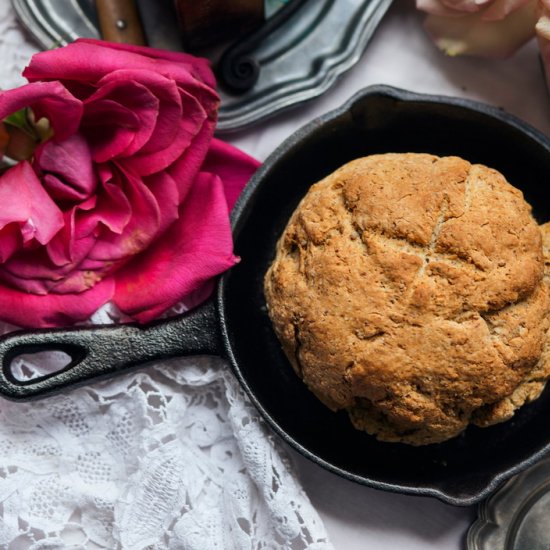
408, 289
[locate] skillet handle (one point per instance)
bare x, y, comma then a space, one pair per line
102, 351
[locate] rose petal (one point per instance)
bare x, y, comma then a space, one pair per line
67, 168
185, 168
37, 273
32, 271
4, 139
161, 118
165, 190
39, 269
25, 202
88, 61
141, 229
47, 99
199, 67
52, 310
191, 121
80, 280
195, 249
109, 139
87, 249
114, 210
119, 119
61, 250
233, 166
10, 241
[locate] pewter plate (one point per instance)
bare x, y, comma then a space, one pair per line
516, 517
298, 62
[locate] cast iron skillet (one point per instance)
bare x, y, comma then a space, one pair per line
234, 322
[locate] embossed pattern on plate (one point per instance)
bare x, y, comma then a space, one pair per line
517, 516
299, 61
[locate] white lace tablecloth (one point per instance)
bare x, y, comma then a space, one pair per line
173, 456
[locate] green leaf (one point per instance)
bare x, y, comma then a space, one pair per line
20, 119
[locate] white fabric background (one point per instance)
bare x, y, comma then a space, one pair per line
355, 517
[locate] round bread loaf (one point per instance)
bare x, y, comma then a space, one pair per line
408, 289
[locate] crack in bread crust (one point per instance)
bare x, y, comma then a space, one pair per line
411, 288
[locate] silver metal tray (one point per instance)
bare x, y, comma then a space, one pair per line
517, 516
299, 61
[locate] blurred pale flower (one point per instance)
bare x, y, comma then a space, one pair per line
543, 36
489, 28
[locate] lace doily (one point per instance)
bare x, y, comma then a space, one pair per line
169, 457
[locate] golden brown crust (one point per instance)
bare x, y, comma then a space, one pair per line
532, 385
408, 289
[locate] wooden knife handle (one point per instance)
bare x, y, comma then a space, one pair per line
119, 21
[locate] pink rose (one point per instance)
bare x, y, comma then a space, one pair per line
489, 28
127, 197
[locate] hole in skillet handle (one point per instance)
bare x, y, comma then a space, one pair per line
15, 346
99, 352
28, 365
